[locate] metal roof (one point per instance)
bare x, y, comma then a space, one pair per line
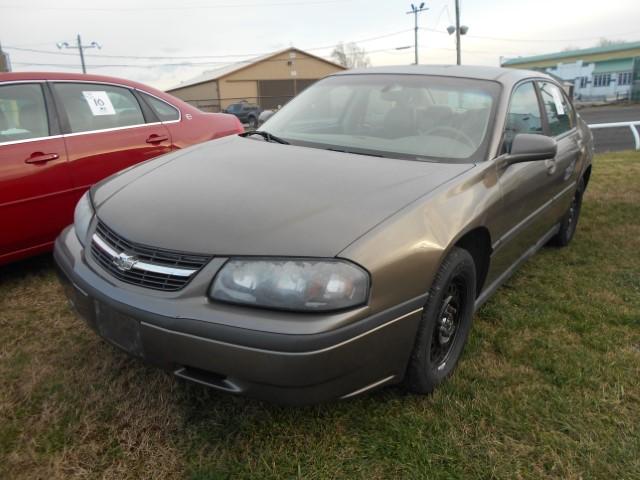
574, 53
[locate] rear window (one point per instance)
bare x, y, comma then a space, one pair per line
162, 109
23, 114
92, 106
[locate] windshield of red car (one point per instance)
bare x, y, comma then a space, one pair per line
407, 116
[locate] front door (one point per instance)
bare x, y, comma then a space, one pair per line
36, 194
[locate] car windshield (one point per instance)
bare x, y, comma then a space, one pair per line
407, 116
234, 107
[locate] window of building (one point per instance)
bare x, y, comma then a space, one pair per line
23, 114
559, 111
602, 80
92, 106
624, 78
583, 82
162, 109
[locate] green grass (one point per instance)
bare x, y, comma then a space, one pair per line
549, 385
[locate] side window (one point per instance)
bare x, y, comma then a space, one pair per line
558, 109
23, 114
92, 106
162, 109
524, 114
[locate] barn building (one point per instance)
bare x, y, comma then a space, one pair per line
269, 80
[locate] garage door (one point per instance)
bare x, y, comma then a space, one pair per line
278, 92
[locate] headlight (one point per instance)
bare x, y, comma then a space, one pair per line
292, 284
82, 217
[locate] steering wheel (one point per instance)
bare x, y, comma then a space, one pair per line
452, 133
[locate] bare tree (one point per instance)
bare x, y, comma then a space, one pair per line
350, 56
605, 42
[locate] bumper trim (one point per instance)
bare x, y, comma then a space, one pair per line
280, 352
371, 386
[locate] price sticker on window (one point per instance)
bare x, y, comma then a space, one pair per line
557, 99
99, 103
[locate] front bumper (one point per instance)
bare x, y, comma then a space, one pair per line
195, 338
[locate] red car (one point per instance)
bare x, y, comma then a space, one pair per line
61, 133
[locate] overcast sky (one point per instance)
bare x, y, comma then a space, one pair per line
206, 34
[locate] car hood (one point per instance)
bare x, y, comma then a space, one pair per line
245, 196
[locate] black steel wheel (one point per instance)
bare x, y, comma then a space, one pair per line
446, 322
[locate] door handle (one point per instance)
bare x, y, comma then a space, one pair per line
551, 165
39, 157
157, 138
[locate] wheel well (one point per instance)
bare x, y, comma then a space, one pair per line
478, 243
586, 175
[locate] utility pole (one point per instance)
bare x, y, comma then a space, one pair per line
458, 53
80, 48
458, 30
415, 11
5, 64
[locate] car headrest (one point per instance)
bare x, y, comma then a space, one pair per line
32, 118
392, 93
4, 121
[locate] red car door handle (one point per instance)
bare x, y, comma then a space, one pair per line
157, 138
40, 157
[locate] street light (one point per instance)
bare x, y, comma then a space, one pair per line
80, 48
415, 11
458, 30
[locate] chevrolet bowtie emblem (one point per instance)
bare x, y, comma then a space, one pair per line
125, 262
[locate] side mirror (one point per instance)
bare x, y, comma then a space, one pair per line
529, 147
264, 116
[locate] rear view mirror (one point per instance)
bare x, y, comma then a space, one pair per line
529, 147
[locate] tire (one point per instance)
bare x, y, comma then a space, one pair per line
569, 222
434, 357
253, 122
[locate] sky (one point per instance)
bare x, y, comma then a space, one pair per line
165, 42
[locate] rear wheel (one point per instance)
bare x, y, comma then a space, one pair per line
569, 221
445, 325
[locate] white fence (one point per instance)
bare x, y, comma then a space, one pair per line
633, 126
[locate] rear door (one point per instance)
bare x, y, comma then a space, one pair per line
106, 129
561, 125
36, 193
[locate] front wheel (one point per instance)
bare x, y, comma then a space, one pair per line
445, 325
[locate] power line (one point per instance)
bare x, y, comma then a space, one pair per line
503, 39
196, 57
183, 7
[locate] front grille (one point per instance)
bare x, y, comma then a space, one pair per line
150, 267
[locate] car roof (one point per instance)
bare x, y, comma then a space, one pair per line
10, 76
84, 77
502, 75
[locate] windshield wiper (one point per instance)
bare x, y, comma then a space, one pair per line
355, 152
266, 135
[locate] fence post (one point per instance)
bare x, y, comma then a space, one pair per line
634, 131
